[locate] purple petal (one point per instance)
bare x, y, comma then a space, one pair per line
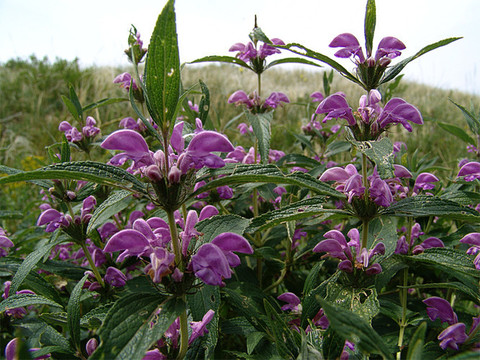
344, 40
210, 265
115, 277
209, 141
135, 242
401, 171
452, 336
5, 242
239, 97
199, 327
207, 212
335, 174
432, 242
126, 140
176, 140
374, 269
441, 309
48, 216
332, 248
471, 170
233, 242
471, 239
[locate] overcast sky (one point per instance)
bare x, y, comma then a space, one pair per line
95, 31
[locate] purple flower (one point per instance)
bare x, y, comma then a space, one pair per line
154, 354
452, 336
351, 254
474, 240
199, 328
5, 242
244, 128
317, 96
388, 48
438, 308
380, 192
247, 52
124, 81
424, 182
71, 133
431, 242
336, 106
115, 277
213, 261
470, 171
91, 346
275, 99
398, 111
291, 299
349, 47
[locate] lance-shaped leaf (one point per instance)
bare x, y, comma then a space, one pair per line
302, 50
73, 313
115, 203
21, 300
370, 22
423, 205
354, 328
46, 184
291, 60
82, 170
162, 69
458, 132
296, 211
133, 324
103, 102
224, 59
244, 174
142, 117
395, 70
261, 128
472, 120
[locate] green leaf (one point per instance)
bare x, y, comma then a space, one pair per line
298, 160
224, 59
461, 197
383, 230
312, 280
472, 121
133, 324
162, 69
11, 171
261, 128
302, 50
415, 347
380, 152
10, 215
253, 339
31, 261
220, 224
284, 340
82, 170
290, 61
245, 174
458, 132
472, 293
423, 205
103, 102
246, 306
21, 300
355, 329
392, 72
73, 313
370, 22
65, 152
296, 211
116, 202
449, 261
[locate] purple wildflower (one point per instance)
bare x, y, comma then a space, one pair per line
398, 111
336, 106
474, 240
199, 328
115, 277
351, 255
438, 308
424, 182
452, 336
470, 171
292, 300
213, 261
5, 242
124, 81
91, 346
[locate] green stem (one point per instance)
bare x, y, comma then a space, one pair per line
403, 321
92, 265
183, 334
259, 84
365, 223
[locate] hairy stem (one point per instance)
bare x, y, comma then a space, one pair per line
175, 240
92, 264
183, 334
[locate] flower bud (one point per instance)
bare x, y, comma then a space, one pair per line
153, 173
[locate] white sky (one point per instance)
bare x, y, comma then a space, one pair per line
96, 31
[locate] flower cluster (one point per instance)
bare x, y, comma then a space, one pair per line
351, 255
454, 334
255, 104
370, 120
84, 138
5, 242
249, 53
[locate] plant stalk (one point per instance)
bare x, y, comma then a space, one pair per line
183, 334
92, 264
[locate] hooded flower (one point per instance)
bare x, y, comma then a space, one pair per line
438, 308
474, 240
470, 171
5, 242
199, 328
213, 261
351, 255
